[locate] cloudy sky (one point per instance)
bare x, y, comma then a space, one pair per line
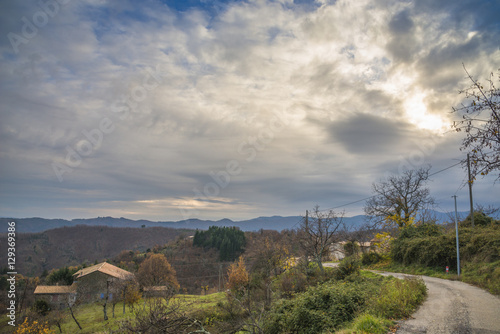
166, 110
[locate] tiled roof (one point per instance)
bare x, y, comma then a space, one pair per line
156, 288
55, 289
104, 268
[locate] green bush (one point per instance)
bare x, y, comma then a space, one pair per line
480, 244
423, 230
348, 266
291, 282
399, 298
480, 219
41, 307
325, 307
439, 250
371, 258
351, 248
368, 323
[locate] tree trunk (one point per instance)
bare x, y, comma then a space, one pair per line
320, 263
73, 316
124, 294
105, 310
105, 305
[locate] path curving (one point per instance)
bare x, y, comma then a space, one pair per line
453, 307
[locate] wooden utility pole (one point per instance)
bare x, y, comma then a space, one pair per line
220, 275
470, 192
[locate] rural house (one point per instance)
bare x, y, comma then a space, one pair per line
89, 284
156, 291
338, 251
57, 296
101, 280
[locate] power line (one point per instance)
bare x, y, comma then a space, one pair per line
442, 170
367, 198
341, 206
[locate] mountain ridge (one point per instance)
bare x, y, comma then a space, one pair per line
279, 223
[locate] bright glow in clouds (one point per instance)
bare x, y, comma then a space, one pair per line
418, 114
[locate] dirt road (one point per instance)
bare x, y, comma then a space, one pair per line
453, 307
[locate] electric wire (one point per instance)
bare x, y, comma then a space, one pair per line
367, 198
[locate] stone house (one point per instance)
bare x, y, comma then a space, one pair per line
156, 291
58, 296
100, 281
338, 251
89, 284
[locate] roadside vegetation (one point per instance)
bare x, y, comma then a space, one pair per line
304, 300
410, 241
427, 249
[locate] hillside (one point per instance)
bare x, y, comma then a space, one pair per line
69, 246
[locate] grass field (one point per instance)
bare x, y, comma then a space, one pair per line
91, 316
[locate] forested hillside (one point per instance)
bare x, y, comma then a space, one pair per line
71, 246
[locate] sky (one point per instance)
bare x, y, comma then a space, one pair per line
169, 110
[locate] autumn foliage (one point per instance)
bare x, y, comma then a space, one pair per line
157, 271
33, 327
237, 276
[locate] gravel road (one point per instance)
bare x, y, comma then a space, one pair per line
453, 307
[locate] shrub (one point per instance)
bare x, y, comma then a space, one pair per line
351, 248
325, 307
33, 327
291, 282
479, 244
368, 323
480, 219
41, 307
423, 230
399, 298
348, 266
371, 258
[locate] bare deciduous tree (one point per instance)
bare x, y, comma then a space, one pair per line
480, 120
160, 315
317, 232
398, 198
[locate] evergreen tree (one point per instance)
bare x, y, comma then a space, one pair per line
229, 241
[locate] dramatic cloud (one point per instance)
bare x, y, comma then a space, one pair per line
173, 109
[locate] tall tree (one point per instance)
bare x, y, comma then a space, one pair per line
317, 232
156, 271
237, 276
398, 198
480, 120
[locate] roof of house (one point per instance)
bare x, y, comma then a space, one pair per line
156, 288
362, 243
55, 289
104, 268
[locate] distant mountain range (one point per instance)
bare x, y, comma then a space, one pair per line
278, 223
